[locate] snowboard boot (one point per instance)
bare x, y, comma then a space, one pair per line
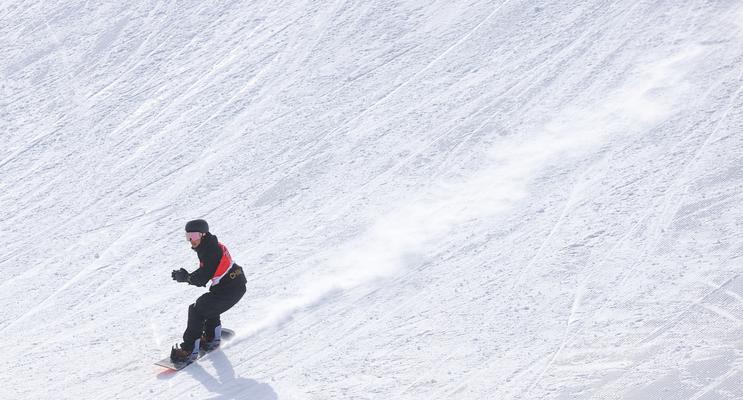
211, 340
181, 355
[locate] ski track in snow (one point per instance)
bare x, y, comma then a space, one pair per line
430, 200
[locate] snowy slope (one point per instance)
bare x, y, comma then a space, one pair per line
432, 200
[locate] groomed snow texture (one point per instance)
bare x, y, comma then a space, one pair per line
451, 199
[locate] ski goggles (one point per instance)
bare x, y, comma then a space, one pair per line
191, 236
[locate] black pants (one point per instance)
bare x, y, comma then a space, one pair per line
203, 315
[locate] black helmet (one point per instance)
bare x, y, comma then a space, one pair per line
197, 225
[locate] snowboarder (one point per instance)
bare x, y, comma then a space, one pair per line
227, 288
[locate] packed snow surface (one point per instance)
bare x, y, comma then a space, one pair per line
431, 199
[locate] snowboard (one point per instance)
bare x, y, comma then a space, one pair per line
227, 334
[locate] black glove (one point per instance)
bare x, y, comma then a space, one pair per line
180, 275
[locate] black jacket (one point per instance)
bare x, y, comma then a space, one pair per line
210, 254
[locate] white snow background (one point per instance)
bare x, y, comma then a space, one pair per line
431, 200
